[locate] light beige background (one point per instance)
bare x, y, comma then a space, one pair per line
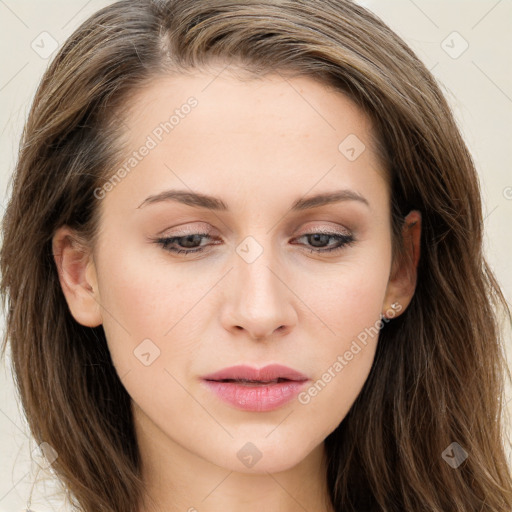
477, 83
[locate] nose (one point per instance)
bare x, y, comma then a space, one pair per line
259, 301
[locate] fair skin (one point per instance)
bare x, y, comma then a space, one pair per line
258, 145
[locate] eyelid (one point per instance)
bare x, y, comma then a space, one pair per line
323, 229
193, 229
326, 230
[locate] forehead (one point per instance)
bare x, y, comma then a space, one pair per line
273, 135
299, 106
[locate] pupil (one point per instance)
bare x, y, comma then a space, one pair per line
316, 238
189, 238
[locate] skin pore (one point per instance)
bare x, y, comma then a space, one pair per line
259, 146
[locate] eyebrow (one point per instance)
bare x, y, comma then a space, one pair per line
198, 200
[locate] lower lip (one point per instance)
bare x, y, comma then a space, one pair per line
256, 398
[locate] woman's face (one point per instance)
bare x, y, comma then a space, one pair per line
265, 289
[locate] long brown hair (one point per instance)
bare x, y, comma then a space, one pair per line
439, 369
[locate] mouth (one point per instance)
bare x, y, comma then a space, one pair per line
256, 390
248, 382
245, 374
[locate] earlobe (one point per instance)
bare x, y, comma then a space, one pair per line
77, 277
402, 281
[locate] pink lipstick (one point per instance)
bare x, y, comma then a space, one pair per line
256, 390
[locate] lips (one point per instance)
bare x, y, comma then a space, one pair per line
269, 374
256, 390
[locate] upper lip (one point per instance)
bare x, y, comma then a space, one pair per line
267, 373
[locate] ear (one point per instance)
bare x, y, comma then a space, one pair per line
403, 276
77, 276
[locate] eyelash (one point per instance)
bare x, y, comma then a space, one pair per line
345, 240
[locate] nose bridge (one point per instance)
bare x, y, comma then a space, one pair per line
259, 302
253, 271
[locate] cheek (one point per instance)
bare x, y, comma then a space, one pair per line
331, 395
150, 332
348, 296
349, 304
144, 307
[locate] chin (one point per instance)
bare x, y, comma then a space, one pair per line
261, 457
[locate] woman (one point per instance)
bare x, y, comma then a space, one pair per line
243, 269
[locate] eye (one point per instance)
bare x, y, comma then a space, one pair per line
191, 243
318, 241
188, 242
